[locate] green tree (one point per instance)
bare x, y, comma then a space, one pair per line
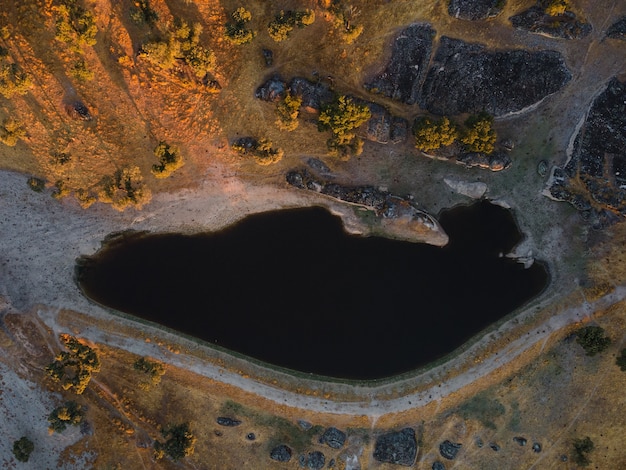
141, 13
170, 160
592, 339
344, 20
70, 414
73, 368
342, 117
155, 370
179, 442
287, 111
431, 135
479, 135
583, 447
13, 80
236, 30
75, 26
80, 71
22, 448
281, 26
125, 188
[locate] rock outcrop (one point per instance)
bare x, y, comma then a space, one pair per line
449, 450
272, 90
403, 76
475, 9
281, 453
594, 178
333, 437
617, 30
399, 448
565, 26
468, 78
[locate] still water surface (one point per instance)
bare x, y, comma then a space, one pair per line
291, 288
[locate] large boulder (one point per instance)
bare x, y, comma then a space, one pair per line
475, 9
449, 450
272, 90
467, 78
399, 448
281, 453
313, 95
333, 437
403, 76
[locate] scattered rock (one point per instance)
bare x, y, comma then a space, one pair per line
536, 447
333, 437
222, 421
268, 56
78, 110
313, 94
218, 433
563, 458
595, 175
86, 429
565, 26
468, 78
397, 447
403, 76
495, 447
251, 436
520, 440
617, 30
281, 453
315, 460
449, 450
475, 9
438, 466
542, 168
272, 90
479, 442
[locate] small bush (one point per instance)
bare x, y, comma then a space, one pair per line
75, 26
69, 414
170, 160
479, 135
344, 17
141, 13
582, 447
73, 368
85, 198
13, 81
80, 71
287, 112
261, 150
432, 135
592, 340
11, 132
236, 31
621, 360
155, 370
22, 448
180, 442
36, 184
556, 7
60, 190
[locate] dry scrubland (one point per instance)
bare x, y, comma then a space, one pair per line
545, 389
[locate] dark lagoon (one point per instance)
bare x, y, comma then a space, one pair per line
292, 289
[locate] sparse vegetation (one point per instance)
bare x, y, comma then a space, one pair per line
12, 79
261, 150
75, 26
479, 135
182, 44
70, 414
141, 13
342, 117
287, 112
592, 339
125, 188
22, 448
11, 132
482, 408
236, 30
73, 368
621, 360
556, 7
60, 189
170, 160
281, 26
432, 135
179, 442
344, 17
155, 370
583, 447
80, 71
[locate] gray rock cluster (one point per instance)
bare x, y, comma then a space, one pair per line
617, 30
281, 453
398, 447
475, 9
229, 422
449, 449
333, 437
313, 460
